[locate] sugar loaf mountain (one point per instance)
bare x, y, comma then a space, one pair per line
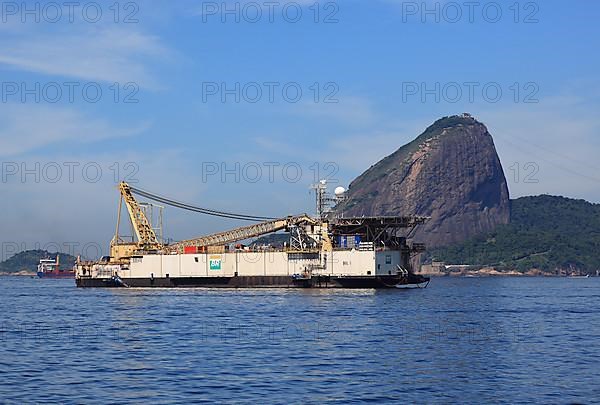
452, 174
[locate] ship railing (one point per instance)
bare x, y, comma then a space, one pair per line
291, 250
402, 271
103, 273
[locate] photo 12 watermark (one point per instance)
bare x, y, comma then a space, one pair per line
85, 250
70, 12
526, 173
253, 12
267, 333
67, 172
270, 172
438, 332
46, 333
470, 92
270, 92
219, 333
68, 92
452, 12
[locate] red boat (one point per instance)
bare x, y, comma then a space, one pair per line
50, 268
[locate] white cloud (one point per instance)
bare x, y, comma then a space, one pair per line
25, 127
112, 54
559, 135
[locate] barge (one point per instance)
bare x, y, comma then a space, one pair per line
320, 252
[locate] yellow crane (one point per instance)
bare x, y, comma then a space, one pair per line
242, 233
148, 242
146, 237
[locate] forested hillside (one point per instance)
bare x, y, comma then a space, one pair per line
545, 232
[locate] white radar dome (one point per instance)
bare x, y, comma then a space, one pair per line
340, 191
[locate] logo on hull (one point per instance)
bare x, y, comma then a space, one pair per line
215, 262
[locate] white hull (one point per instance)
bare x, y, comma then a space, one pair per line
340, 268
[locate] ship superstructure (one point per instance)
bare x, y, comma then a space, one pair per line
322, 251
50, 268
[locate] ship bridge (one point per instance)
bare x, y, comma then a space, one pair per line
391, 231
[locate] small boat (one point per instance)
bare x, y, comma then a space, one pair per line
423, 284
586, 276
50, 268
409, 280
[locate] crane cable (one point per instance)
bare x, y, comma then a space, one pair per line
188, 207
201, 210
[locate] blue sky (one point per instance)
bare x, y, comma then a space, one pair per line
364, 57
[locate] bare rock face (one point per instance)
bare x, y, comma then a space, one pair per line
450, 173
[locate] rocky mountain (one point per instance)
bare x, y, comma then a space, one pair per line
451, 173
29, 260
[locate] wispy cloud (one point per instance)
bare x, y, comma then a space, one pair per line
559, 135
106, 54
24, 128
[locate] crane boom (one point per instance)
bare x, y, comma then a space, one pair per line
143, 230
242, 233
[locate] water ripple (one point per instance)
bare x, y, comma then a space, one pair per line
461, 340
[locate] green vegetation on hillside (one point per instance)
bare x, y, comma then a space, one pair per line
546, 232
274, 240
30, 259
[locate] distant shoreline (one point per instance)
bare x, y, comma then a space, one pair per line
23, 273
497, 274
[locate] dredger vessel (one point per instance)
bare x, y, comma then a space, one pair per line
322, 251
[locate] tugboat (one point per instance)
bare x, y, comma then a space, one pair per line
50, 268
